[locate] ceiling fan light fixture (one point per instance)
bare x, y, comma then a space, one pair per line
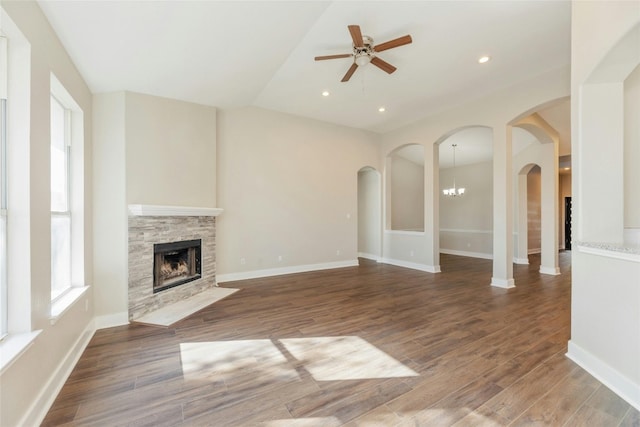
362, 59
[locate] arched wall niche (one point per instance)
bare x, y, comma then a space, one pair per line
405, 186
601, 123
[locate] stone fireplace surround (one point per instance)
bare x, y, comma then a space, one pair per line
151, 224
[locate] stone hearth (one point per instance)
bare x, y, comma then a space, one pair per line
149, 225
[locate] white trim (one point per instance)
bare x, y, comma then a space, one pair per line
65, 302
404, 232
606, 374
521, 261
626, 256
256, 274
412, 265
466, 253
369, 256
14, 345
157, 210
554, 271
460, 230
111, 320
42, 403
503, 283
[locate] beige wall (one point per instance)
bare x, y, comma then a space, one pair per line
407, 195
28, 385
110, 207
170, 152
632, 150
466, 223
534, 211
288, 187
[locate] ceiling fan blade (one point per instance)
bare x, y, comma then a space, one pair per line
343, 55
383, 65
400, 41
350, 72
356, 35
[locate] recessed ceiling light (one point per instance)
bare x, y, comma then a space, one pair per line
382, 110
325, 93
567, 169
484, 59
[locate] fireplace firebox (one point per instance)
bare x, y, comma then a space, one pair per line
176, 263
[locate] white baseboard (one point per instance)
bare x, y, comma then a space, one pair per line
42, 403
412, 265
466, 253
111, 320
554, 271
369, 256
256, 274
522, 261
503, 283
618, 383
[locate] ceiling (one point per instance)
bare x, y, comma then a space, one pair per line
238, 53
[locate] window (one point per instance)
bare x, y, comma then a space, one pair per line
60, 199
3, 188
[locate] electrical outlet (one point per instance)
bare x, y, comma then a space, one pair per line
411, 253
243, 261
338, 252
279, 258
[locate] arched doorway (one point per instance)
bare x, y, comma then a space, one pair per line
369, 213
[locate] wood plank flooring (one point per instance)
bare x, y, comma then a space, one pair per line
374, 345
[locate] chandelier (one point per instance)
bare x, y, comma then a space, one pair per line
453, 191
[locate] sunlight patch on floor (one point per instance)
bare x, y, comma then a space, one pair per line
325, 358
344, 358
223, 360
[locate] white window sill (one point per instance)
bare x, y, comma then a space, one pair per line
65, 302
13, 345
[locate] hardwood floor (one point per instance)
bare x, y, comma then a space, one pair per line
374, 345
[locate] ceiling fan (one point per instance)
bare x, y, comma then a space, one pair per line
364, 52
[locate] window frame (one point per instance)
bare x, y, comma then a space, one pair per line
4, 284
58, 292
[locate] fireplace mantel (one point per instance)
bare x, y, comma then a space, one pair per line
157, 210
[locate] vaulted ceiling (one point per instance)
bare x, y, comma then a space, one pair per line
237, 53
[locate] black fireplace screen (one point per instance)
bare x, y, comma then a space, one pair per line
176, 263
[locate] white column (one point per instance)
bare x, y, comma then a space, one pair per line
432, 205
550, 210
502, 208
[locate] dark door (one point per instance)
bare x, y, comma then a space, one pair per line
567, 223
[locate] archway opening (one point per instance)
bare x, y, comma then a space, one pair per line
466, 222
369, 213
